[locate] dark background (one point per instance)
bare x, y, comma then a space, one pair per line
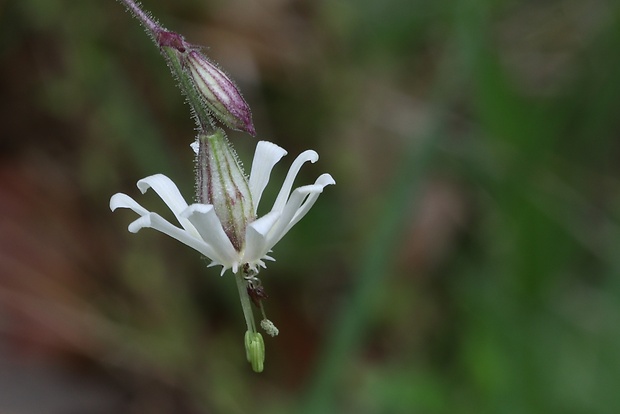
467, 261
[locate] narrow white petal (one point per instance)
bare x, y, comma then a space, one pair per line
299, 204
120, 200
288, 212
266, 157
157, 222
323, 181
206, 222
256, 237
170, 194
304, 157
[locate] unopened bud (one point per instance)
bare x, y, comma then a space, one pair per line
222, 183
219, 93
255, 350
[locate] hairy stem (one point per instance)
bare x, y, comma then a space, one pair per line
141, 15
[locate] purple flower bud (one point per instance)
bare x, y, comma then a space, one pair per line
220, 94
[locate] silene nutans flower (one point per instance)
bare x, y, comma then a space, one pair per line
223, 225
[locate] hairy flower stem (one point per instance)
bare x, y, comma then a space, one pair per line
146, 20
155, 30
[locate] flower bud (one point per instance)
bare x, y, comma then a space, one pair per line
222, 183
219, 93
255, 350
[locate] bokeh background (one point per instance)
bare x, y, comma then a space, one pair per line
467, 261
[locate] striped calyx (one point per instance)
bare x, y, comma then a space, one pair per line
222, 183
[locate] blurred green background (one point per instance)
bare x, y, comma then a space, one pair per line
465, 262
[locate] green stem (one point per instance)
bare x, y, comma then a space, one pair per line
246, 305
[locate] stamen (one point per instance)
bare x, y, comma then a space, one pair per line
269, 327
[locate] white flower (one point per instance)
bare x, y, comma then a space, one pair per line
201, 228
